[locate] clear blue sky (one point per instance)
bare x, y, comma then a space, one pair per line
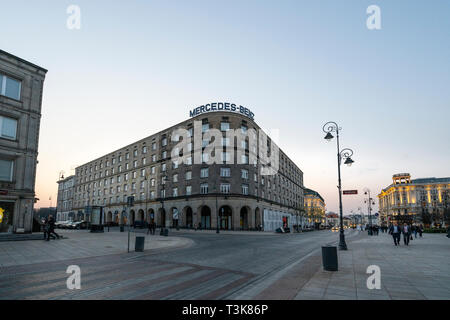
137, 67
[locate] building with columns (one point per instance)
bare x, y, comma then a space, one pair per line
21, 86
314, 207
423, 200
235, 190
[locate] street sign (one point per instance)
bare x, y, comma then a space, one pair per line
350, 192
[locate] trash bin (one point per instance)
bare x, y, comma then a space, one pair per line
139, 245
166, 232
121, 228
329, 258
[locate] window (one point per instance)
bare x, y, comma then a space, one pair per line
226, 156
126, 177
134, 174
164, 154
175, 192
125, 187
244, 159
152, 182
190, 132
255, 177
163, 167
135, 153
142, 172
225, 172
120, 158
188, 175
118, 179
154, 158
245, 189
163, 193
127, 166
144, 161
154, 146
244, 174
118, 189
134, 164
225, 142
225, 188
205, 142
127, 156
10, 87
175, 164
204, 188
188, 190
153, 170
205, 157
152, 194
204, 173
144, 150
6, 170
244, 128
175, 178
8, 128
188, 161
133, 186
164, 142
224, 126
120, 169
205, 127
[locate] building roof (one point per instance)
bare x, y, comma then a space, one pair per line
307, 191
22, 60
431, 180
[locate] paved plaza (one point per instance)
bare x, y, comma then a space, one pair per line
230, 265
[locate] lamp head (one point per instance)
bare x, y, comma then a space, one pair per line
348, 161
329, 136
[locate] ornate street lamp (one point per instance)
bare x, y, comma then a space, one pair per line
369, 202
346, 154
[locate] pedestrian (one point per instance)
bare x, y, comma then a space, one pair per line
149, 226
406, 233
420, 230
46, 229
395, 231
51, 229
415, 230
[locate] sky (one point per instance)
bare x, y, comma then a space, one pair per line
137, 67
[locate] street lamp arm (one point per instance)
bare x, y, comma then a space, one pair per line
346, 153
330, 126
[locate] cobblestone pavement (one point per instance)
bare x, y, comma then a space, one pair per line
213, 267
416, 272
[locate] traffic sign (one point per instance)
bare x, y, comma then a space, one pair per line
350, 192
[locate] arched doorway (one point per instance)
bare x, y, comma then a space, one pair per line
175, 217
161, 220
123, 218
151, 215
226, 218
109, 217
244, 218
205, 218
140, 216
188, 217
258, 222
116, 218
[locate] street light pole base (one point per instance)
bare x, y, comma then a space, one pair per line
342, 244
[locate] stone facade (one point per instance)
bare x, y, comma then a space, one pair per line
314, 207
192, 191
422, 200
66, 191
21, 86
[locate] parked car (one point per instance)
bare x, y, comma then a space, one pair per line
78, 225
61, 224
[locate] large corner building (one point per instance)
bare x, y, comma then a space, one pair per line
191, 194
21, 85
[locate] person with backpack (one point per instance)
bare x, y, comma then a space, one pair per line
51, 229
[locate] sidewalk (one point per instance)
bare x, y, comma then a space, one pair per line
415, 272
81, 244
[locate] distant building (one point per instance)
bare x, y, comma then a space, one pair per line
66, 192
21, 85
314, 207
419, 200
332, 219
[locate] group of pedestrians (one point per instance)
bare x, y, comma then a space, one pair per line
151, 228
407, 230
49, 229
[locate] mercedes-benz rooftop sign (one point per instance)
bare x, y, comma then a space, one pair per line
221, 106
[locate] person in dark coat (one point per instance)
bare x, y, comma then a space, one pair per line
51, 229
406, 230
395, 231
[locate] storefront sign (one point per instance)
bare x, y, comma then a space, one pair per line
221, 106
350, 192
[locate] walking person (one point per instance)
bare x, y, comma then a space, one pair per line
149, 228
406, 233
415, 230
395, 231
51, 229
420, 230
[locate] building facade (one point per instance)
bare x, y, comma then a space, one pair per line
234, 192
66, 192
21, 86
314, 207
424, 200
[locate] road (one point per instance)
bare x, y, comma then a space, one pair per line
217, 266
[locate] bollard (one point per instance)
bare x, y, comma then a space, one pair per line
329, 258
139, 244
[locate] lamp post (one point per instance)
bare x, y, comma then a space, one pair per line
346, 154
369, 202
163, 183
